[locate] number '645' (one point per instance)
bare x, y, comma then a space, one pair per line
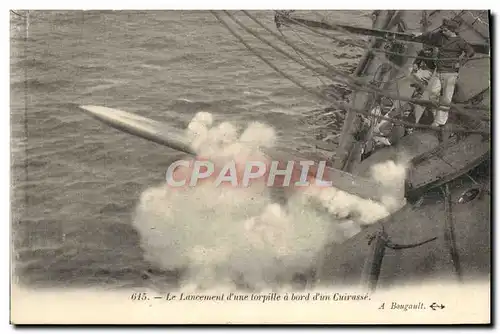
139, 296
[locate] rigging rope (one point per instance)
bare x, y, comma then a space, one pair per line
370, 88
470, 25
366, 46
14, 12
478, 19
362, 86
389, 40
305, 42
298, 54
340, 105
392, 245
415, 81
301, 62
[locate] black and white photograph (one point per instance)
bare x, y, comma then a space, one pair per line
285, 166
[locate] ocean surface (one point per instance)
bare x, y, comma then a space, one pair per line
76, 182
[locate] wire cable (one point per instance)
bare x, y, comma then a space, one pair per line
360, 85
340, 105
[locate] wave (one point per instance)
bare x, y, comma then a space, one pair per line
40, 85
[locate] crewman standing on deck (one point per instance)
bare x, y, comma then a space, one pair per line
423, 70
452, 53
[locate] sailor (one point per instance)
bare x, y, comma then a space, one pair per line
423, 71
379, 134
452, 53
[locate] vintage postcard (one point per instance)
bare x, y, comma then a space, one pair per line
250, 167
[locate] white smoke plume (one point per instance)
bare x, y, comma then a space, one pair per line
223, 234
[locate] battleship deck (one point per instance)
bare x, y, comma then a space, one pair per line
432, 164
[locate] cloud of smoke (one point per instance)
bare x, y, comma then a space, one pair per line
224, 234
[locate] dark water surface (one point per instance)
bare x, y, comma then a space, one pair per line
76, 182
